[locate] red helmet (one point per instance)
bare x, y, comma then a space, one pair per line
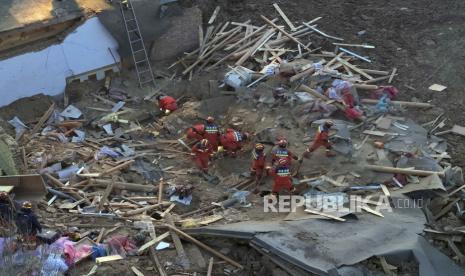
259, 146
210, 119
283, 162
282, 142
204, 143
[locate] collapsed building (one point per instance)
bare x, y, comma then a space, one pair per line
111, 177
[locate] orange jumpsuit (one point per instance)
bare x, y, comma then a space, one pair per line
231, 141
321, 139
202, 156
279, 153
258, 164
282, 179
196, 132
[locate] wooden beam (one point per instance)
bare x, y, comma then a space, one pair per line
108, 259
394, 71
106, 194
44, 118
324, 215
285, 33
210, 267
177, 243
401, 171
283, 15
204, 246
214, 15
353, 67
401, 103
153, 242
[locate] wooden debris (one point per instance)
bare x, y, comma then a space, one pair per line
153, 242
285, 33
456, 129
177, 243
136, 271
206, 247
437, 87
324, 215
401, 103
105, 259
214, 15
210, 267
284, 17
43, 119
391, 77
105, 195
401, 171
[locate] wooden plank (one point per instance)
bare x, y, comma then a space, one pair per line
391, 77
374, 212
402, 103
266, 36
283, 15
210, 267
446, 209
385, 190
285, 33
160, 190
6, 189
324, 215
402, 171
105, 259
107, 192
177, 243
206, 247
43, 119
137, 271
214, 15
153, 242
344, 62
456, 191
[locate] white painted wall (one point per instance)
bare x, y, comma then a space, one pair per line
45, 71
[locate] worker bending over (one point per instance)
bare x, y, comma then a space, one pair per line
167, 104
322, 140
202, 152
232, 141
209, 131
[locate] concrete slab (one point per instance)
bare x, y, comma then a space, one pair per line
322, 246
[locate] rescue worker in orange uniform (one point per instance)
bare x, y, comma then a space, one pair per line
232, 141
202, 152
322, 140
258, 163
167, 104
282, 178
209, 131
282, 152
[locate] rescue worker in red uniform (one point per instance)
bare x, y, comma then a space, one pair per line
282, 152
232, 141
202, 152
282, 178
209, 131
322, 140
28, 224
258, 163
167, 104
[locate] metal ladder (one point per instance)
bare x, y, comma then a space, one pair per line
139, 54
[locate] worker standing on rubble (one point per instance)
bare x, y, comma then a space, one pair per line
322, 140
282, 178
28, 224
167, 104
232, 141
258, 163
202, 152
6, 210
282, 152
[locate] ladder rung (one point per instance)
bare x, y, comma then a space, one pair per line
140, 61
137, 51
131, 19
142, 82
143, 72
133, 30
137, 40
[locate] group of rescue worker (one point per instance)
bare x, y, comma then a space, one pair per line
20, 217
209, 141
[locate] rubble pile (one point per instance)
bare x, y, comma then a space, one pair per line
120, 185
